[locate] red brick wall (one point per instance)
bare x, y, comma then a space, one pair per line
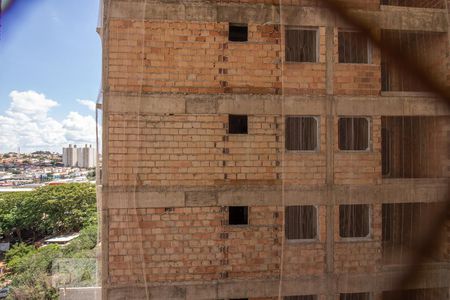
360, 4
195, 150
195, 244
194, 57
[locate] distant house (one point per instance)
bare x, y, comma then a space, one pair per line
62, 239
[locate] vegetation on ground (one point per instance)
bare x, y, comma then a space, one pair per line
27, 217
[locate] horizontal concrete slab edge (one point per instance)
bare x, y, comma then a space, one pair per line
390, 192
204, 11
377, 282
274, 105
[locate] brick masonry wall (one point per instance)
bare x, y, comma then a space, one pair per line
358, 4
194, 57
196, 244
195, 150
191, 58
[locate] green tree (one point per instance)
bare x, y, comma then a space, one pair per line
47, 210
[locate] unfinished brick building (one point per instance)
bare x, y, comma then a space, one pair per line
254, 149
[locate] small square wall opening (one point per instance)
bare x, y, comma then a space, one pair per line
301, 222
238, 32
238, 215
354, 221
237, 124
354, 296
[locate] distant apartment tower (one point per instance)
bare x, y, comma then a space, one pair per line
253, 150
79, 157
70, 156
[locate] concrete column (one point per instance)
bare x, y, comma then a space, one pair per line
330, 111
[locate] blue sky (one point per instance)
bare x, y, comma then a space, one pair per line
50, 55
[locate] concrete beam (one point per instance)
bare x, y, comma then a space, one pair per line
389, 191
419, 105
388, 17
226, 289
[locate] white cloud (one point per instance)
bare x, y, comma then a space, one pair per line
90, 104
26, 124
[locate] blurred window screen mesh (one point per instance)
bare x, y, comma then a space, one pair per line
301, 222
353, 133
301, 133
301, 45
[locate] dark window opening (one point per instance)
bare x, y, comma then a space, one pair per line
301, 222
401, 225
301, 133
354, 296
301, 45
238, 215
353, 134
237, 124
301, 297
353, 48
354, 221
385, 152
238, 33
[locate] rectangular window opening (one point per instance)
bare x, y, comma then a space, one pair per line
237, 124
354, 296
353, 48
385, 152
301, 222
354, 221
238, 215
439, 4
301, 45
238, 32
301, 297
353, 134
301, 133
409, 147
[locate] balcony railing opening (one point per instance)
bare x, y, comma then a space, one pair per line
413, 147
402, 225
427, 49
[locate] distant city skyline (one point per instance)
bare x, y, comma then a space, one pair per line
50, 74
